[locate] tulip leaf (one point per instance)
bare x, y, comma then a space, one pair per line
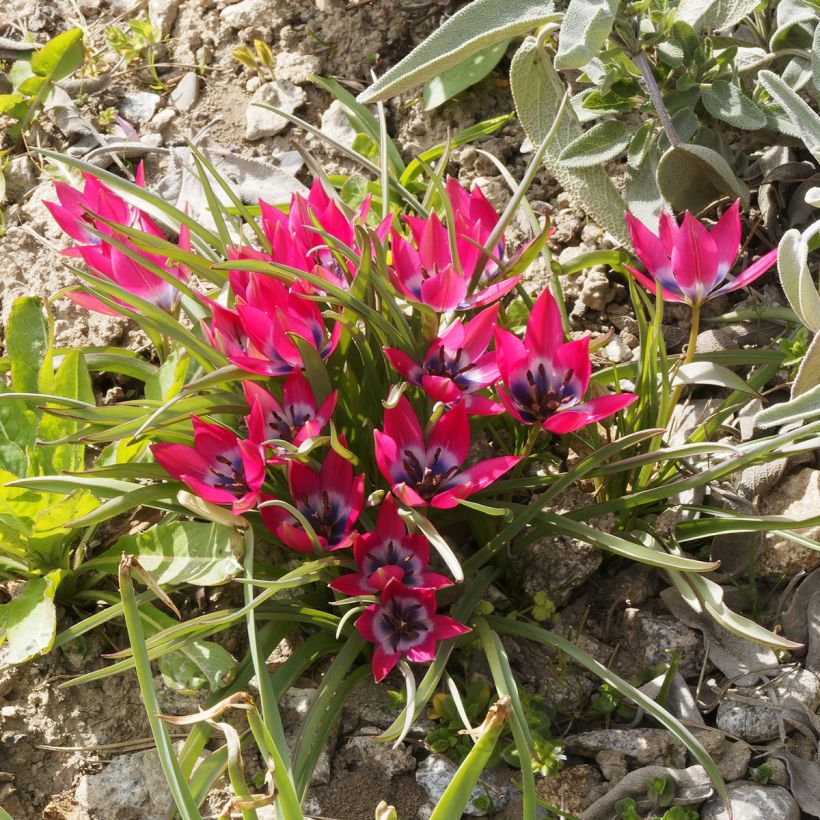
803, 408
446, 85
586, 26
60, 56
476, 27
800, 115
691, 177
808, 375
727, 102
601, 143
31, 619
538, 91
28, 346
716, 15
710, 373
181, 552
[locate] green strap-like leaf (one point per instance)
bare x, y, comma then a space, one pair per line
481, 24
446, 85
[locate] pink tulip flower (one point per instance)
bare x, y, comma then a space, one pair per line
689, 262
331, 500
422, 473
76, 211
546, 378
404, 623
295, 420
457, 364
220, 467
389, 553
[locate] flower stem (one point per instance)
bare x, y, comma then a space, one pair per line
688, 356
655, 95
535, 429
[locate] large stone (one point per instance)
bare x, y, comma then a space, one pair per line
364, 750
139, 106
643, 746
751, 801
251, 14
295, 67
185, 92
653, 638
163, 14
796, 497
262, 122
739, 714
131, 787
435, 773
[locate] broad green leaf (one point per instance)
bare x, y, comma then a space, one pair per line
183, 552
538, 90
808, 375
709, 373
51, 534
796, 279
170, 378
801, 116
476, 27
641, 192
199, 665
728, 103
715, 15
586, 26
60, 56
446, 85
27, 345
803, 408
601, 143
693, 176
31, 619
10, 102
31, 85
640, 144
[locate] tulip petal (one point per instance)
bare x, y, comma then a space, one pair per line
754, 271
726, 236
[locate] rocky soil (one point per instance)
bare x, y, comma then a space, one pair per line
84, 752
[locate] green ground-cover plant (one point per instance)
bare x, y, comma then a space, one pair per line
320, 381
692, 72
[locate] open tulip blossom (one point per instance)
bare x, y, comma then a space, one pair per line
422, 473
389, 553
295, 420
76, 211
689, 262
457, 365
404, 623
331, 500
545, 378
424, 270
220, 467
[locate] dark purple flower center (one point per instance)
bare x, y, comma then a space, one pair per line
540, 396
427, 480
228, 474
393, 555
450, 365
327, 516
284, 426
402, 623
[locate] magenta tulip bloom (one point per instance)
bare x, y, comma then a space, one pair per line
405, 622
295, 420
546, 378
331, 500
690, 263
423, 270
456, 365
220, 467
76, 211
389, 553
257, 335
422, 473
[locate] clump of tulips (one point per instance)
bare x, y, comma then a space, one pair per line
440, 363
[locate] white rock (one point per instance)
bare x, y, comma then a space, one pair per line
186, 92
139, 106
20, 178
162, 119
295, 67
796, 497
130, 782
756, 722
617, 350
260, 122
435, 773
163, 14
753, 802
336, 125
118, 7
251, 13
